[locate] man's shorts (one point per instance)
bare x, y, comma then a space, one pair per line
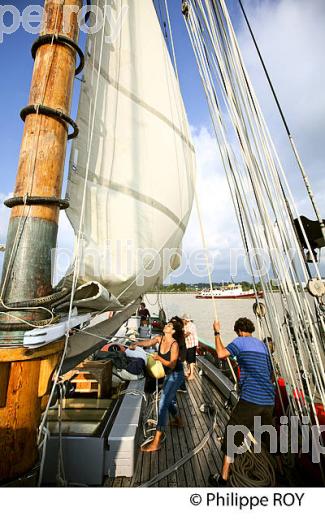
243, 415
191, 355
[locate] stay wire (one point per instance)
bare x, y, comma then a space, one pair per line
291, 139
219, 121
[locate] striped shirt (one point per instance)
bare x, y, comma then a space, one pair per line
255, 365
191, 340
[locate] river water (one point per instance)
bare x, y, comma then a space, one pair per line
202, 312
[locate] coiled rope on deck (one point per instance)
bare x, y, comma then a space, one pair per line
253, 469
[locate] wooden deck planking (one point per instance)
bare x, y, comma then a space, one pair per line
147, 463
165, 459
179, 441
117, 482
154, 468
194, 436
219, 403
170, 452
162, 463
222, 415
186, 473
205, 455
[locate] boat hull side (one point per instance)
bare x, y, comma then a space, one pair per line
240, 297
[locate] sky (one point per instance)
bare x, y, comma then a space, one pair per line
291, 37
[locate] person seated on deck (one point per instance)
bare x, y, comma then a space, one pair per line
130, 352
256, 390
169, 355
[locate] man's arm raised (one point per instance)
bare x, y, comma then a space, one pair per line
222, 352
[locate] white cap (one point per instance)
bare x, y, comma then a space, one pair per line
186, 317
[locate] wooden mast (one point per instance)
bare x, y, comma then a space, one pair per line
32, 234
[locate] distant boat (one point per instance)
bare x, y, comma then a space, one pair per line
228, 291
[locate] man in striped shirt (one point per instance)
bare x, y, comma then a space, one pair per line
256, 390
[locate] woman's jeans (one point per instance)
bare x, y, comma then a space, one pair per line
167, 404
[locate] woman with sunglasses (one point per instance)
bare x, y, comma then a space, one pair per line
169, 355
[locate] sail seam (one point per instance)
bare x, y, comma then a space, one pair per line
146, 199
145, 105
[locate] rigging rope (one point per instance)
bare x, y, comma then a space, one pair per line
172, 41
199, 212
253, 470
258, 187
290, 136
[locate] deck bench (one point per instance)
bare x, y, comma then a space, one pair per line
123, 440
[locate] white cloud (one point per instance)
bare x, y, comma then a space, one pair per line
215, 206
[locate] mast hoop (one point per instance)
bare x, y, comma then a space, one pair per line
36, 201
51, 112
60, 40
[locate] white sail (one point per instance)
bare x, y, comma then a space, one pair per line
137, 156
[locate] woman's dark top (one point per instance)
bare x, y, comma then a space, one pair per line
166, 357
